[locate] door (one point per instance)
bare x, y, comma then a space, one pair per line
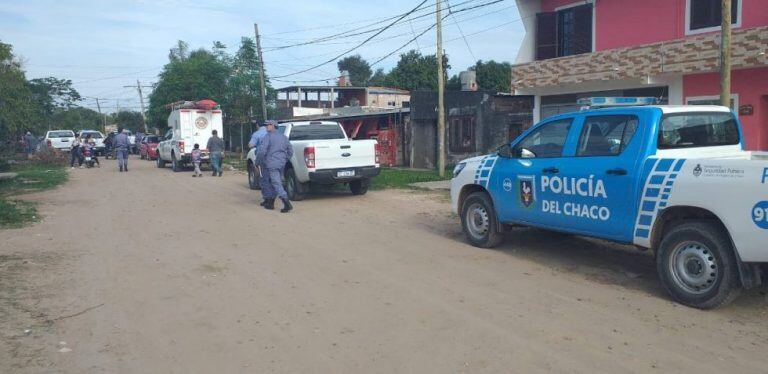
517, 181
597, 187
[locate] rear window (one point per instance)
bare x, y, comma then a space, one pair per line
685, 130
153, 139
317, 132
61, 134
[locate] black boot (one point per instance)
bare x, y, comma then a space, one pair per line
269, 204
287, 207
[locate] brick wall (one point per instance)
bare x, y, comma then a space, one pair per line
693, 54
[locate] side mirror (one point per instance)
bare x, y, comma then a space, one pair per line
505, 151
524, 153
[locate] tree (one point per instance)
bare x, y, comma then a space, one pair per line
76, 119
378, 78
53, 95
493, 76
194, 76
359, 69
415, 72
19, 111
179, 52
130, 120
453, 84
244, 89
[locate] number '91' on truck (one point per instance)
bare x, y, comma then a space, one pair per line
676, 180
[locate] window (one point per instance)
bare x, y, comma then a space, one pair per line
686, 130
547, 141
462, 134
61, 134
152, 139
606, 135
317, 132
565, 32
706, 15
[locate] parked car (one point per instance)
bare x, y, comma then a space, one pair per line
323, 155
673, 179
98, 137
148, 147
60, 139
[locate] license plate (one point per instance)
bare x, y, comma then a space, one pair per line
345, 173
87, 159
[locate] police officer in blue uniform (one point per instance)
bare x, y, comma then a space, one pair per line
272, 154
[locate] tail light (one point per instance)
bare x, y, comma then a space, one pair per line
309, 157
49, 143
377, 152
181, 146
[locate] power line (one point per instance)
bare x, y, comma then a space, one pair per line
358, 46
450, 12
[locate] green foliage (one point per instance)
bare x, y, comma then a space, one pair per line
54, 94
493, 76
19, 111
402, 178
76, 119
453, 84
15, 214
231, 81
130, 120
378, 78
415, 72
359, 69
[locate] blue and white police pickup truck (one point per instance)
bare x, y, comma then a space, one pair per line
675, 179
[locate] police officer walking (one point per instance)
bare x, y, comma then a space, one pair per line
122, 146
272, 154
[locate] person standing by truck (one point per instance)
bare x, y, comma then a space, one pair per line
216, 148
122, 147
273, 152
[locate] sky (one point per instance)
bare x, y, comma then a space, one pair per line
105, 45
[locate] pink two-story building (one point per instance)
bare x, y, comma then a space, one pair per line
663, 48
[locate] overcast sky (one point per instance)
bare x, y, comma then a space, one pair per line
105, 45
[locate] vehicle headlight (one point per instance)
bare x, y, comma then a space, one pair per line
458, 168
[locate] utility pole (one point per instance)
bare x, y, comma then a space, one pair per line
138, 87
98, 106
261, 74
440, 93
725, 55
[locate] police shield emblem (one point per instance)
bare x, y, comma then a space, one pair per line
527, 191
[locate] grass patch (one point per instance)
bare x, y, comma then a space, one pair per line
31, 177
402, 178
235, 162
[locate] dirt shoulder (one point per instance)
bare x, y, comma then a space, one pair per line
175, 274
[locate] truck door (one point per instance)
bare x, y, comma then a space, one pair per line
516, 180
597, 188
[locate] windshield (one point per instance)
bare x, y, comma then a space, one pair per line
93, 134
686, 130
317, 132
153, 139
61, 134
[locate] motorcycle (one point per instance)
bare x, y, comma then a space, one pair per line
89, 159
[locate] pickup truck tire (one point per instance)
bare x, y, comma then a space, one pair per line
296, 190
175, 164
359, 187
478, 219
253, 179
697, 266
160, 162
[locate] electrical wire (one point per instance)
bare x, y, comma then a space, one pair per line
450, 12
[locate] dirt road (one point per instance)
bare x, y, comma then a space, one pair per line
156, 272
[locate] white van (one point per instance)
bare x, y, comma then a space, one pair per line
187, 127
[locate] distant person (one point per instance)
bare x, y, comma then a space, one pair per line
273, 153
122, 144
76, 153
137, 140
30, 143
89, 145
197, 158
216, 148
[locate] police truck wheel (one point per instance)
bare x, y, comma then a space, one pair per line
478, 219
160, 162
253, 180
697, 266
359, 187
296, 191
175, 164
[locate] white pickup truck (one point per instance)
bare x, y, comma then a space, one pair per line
323, 155
188, 126
675, 179
60, 139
